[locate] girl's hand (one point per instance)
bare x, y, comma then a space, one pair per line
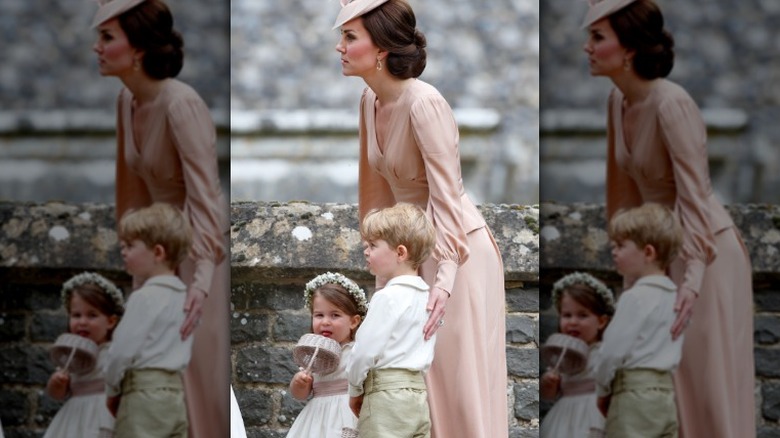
603, 404
300, 385
686, 299
437, 301
193, 307
112, 403
356, 403
58, 385
550, 385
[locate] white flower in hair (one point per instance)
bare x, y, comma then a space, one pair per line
92, 278
586, 279
335, 278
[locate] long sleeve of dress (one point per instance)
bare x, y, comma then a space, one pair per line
194, 137
685, 138
622, 191
131, 191
436, 133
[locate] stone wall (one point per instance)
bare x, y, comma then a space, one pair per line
276, 249
572, 238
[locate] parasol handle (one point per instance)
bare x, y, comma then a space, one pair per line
70, 356
560, 358
311, 361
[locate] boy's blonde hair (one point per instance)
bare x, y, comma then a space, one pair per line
159, 224
649, 224
402, 224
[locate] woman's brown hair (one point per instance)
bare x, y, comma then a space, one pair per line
149, 28
640, 27
393, 27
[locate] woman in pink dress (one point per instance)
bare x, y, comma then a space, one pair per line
409, 153
166, 152
657, 152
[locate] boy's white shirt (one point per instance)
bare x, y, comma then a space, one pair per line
639, 335
392, 334
148, 334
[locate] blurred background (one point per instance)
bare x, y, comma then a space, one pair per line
725, 57
294, 116
57, 114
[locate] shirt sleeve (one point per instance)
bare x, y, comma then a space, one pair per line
194, 137
685, 137
129, 336
621, 334
436, 133
370, 341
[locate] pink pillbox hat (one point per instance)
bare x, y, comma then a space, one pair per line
354, 8
112, 8
601, 8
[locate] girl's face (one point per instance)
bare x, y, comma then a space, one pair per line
606, 55
579, 321
88, 321
332, 322
115, 55
358, 52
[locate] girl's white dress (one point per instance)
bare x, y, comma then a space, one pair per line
85, 413
328, 410
575, 412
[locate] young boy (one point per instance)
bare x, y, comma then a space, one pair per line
637, 356
147, 355
389, 358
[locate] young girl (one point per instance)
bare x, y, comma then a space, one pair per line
94, 305
337, 307
584, 306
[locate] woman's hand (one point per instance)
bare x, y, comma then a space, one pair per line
686, 299
300, 385
355, 403
437, 301
193, 307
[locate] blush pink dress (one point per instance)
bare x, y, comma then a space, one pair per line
419, 163
171, 157
664, 160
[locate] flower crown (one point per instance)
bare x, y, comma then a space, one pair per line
588, 280
92, 278
352, 288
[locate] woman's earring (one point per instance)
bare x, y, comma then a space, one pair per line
626, 64
379, 64
136, 64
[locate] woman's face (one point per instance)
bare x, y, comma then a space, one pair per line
358, 51
606, 56
116, 56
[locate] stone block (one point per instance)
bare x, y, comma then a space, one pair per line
25, 364
520, 432
256, 406
766, 329
261, 295
248, 327
290, 409
12, 327
768, 432
770, 406
291, 326
522, 362
47, 408
47, 326
16, 407
526, 401
521, 329
523, 299
265, 364
767, 300
766, 362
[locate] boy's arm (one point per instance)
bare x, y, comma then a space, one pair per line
129, 337
619, 337
370, 341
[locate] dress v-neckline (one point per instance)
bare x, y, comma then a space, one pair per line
379, 145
